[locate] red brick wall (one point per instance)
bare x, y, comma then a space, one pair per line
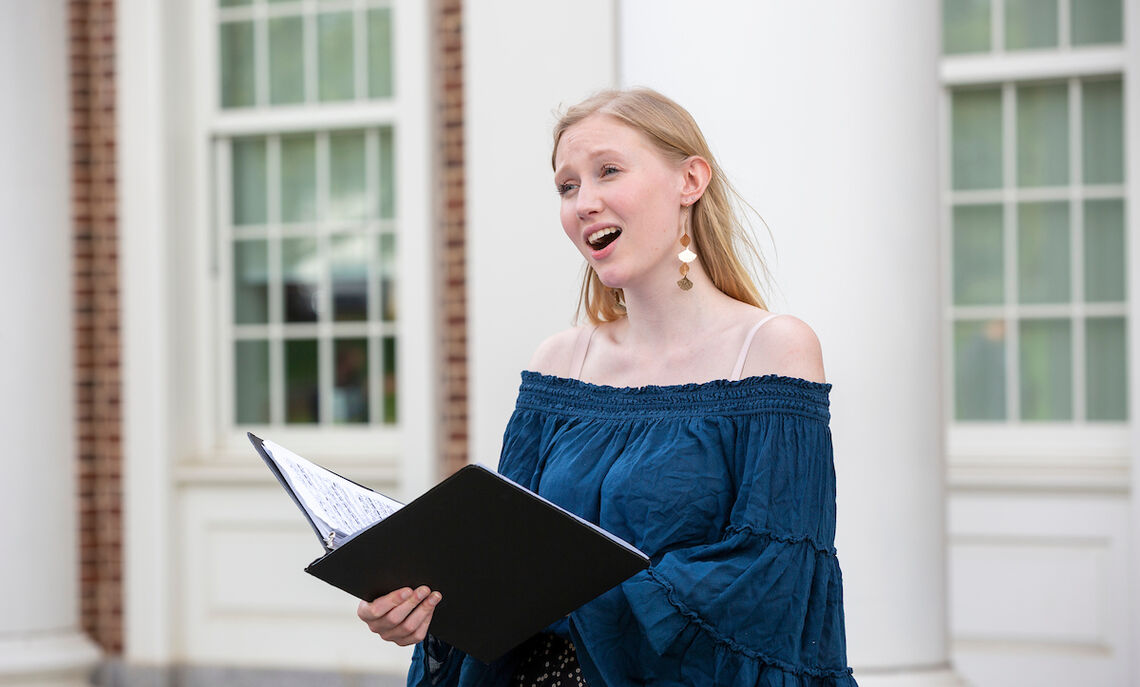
451, 278
92, 52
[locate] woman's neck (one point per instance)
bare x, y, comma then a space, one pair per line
665, 314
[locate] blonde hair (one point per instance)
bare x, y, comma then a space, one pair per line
714, 224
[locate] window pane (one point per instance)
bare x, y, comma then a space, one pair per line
388, 277
247, 182
1106, 369
300, 277
1030, 24
979, 370
976, 135
1102, 124
978, 255
302, 392
965, 26
234, 3
348, 197
391, 382
235, 44
335, 53
298, 179
1043, 252
380, 53
349, 267
1104, 250
251, 282
387, 174
286, 60
1042, 135
251, 382
1097, 21
350, 391
1046, 370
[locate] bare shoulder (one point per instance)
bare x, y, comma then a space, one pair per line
785, 346
553, 356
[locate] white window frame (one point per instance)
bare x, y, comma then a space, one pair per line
1075, 454
403, 452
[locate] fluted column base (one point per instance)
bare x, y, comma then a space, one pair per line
55, 659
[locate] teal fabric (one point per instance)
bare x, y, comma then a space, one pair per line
729, 487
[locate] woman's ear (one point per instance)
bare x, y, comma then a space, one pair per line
696, 174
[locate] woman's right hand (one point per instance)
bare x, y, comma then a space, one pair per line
401, 616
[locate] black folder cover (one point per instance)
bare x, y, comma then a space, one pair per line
507, 562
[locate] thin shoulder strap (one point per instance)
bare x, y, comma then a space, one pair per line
739, 368
581, 345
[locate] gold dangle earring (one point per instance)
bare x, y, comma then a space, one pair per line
685, 256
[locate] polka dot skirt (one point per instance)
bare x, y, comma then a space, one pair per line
548, 661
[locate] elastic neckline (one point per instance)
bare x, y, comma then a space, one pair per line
767, 393
756, 379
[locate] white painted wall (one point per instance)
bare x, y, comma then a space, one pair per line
36, 346
522, 60
143, 260
40, 639
1039, 586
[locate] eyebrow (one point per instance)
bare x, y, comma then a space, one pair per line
594, 154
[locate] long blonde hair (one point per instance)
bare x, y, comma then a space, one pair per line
714, 223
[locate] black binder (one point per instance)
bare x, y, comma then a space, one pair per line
507, 562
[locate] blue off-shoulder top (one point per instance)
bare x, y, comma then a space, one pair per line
729, 487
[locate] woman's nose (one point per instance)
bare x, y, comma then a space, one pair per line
589, 201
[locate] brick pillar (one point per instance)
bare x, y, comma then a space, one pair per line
450, 246
91, 28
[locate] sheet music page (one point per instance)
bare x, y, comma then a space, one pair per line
339, 507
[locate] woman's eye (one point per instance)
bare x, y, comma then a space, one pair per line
563, 189
608, 170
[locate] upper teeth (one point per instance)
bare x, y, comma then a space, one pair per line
597, 235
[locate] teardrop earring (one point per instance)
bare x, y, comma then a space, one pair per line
685, 256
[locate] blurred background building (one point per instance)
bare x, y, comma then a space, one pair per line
332, 222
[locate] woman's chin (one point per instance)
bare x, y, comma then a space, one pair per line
611, 280
614, 278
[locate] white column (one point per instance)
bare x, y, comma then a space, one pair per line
40, 643
825, 115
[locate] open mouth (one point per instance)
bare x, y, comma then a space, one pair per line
603, 237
